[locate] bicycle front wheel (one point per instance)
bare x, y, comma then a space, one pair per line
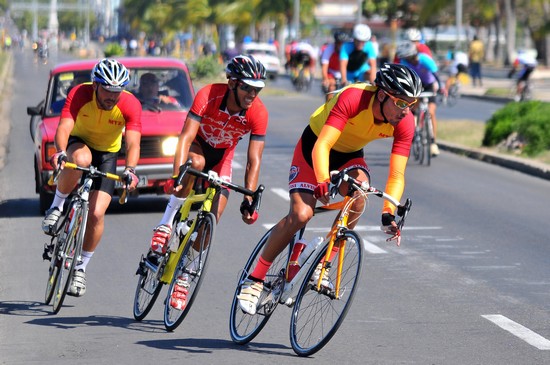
453, 95
69, 253
417, 147
55, 262
192, 264
317, 314
243, 326
426, 134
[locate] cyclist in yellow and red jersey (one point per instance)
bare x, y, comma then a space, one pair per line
90, 133
334, 140
221, 115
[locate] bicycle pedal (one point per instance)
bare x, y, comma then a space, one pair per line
141, 270
48, 252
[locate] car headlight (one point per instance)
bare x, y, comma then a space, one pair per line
169, 146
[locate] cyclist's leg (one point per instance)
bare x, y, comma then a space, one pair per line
360, 171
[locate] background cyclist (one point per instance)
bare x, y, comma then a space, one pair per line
221, 115
427, 69
358, 58
90, 133
302, 53
330, 64
333, 140
527, 62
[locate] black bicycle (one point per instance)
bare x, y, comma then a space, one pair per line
65, 247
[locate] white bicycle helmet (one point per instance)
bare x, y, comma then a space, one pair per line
414, 35
406, 49
111, 74
361, 32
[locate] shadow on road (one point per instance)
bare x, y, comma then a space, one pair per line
197, 346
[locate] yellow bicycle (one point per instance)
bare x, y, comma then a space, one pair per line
189, 248
318, 305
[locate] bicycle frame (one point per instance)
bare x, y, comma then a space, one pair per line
174, 257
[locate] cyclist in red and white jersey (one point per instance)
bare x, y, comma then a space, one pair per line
90, 133
334, 140
330, 64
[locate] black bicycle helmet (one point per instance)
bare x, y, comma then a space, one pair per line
248, 69
111, 74
398, 80
406, 49
340, 37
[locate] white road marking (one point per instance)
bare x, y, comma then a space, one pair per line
283, 193
532, 338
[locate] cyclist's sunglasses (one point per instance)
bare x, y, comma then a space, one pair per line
249, 88
400, 103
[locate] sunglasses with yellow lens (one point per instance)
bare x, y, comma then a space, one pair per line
400, 103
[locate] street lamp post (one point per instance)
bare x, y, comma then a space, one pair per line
296, 19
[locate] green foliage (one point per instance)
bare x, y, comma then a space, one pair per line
114, 50
528, 119
206, 67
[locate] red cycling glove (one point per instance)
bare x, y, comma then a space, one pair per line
321, 190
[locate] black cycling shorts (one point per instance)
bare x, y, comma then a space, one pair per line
105, 162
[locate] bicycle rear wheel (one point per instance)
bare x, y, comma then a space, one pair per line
453, 95
193, 264
69, 253
243, 326
317, 315
147, 290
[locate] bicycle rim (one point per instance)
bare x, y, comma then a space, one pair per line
68, 255
317, 315
147, 291
243, 327
190, 257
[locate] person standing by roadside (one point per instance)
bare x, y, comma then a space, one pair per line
476, 53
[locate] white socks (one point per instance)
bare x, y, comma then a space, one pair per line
85, 256
59, 200
174, 204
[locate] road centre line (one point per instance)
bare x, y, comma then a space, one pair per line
524, 333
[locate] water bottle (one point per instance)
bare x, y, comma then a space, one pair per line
183, 227
311, 246
293, 265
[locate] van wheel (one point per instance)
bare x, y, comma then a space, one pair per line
46, 200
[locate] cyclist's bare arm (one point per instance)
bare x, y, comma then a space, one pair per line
186, 137
252, 172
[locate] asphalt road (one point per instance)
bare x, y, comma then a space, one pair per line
468, 286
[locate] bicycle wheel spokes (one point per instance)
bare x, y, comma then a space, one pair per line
243, 326
68, 255
147, 290
417, 147
317, 314
192, 265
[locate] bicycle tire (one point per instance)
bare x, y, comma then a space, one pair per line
69, 252
417, 148
244, 327
428, 127
147, 291
317, 315
453, 95
204, 229
55, 264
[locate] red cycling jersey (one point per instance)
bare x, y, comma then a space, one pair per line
101, 129
221, 129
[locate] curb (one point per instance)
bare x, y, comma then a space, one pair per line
527, 167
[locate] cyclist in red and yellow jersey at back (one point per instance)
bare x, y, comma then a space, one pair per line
90, 132
334, 140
